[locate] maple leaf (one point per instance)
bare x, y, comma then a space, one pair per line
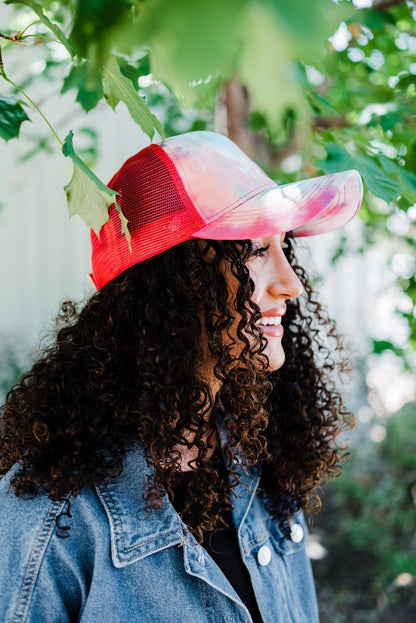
90, 91
118, 88
87, 195
12, 116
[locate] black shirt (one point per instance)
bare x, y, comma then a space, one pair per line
222, 545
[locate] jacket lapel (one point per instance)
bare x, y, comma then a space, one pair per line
134, 533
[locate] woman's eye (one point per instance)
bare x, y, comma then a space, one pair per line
259, 251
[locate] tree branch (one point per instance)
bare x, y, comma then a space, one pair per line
330, 123
238, 110
254, 144
385, 5
2, 73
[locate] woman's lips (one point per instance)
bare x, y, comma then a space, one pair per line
271, 322
272, 330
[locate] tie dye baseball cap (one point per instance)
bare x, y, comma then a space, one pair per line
201, 185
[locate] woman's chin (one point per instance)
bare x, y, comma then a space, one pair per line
276, 357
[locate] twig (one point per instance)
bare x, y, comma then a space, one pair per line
14, 36
42, 37
2, 73
329, 123
37, 21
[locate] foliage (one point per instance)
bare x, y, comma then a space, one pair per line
12, 116
86, 194
110, 44
117, 88
369, 525
350, 106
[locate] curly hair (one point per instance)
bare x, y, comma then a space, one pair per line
128, 365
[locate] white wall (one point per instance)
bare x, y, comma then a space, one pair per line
45, 256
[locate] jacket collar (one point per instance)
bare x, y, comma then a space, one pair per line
134, 532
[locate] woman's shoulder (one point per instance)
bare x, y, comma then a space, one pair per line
54, 546
38, 536
27, 522
25, 507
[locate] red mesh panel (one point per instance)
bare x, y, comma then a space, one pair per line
160, 214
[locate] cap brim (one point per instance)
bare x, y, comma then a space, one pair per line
307, 208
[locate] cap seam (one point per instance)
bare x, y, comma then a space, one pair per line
236, 205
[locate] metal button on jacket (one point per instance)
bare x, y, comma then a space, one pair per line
264, 555
296, 533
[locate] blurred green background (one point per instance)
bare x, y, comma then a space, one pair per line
305, 88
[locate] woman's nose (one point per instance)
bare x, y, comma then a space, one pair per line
284, 282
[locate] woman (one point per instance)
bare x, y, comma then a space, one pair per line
161, 452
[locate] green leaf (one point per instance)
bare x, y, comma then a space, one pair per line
94, 21
406, 179
379, 346
374, 176
87, 200
87, 195
118, 88
275, 89
309, 24
376, 20
89, 91
191, 44
12, 116
133, 72
38, 10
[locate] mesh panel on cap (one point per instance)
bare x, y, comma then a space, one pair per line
160, 214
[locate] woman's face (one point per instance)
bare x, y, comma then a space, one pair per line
275, 282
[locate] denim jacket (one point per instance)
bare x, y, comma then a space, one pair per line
121, 565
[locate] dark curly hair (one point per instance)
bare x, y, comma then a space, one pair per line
128, 365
